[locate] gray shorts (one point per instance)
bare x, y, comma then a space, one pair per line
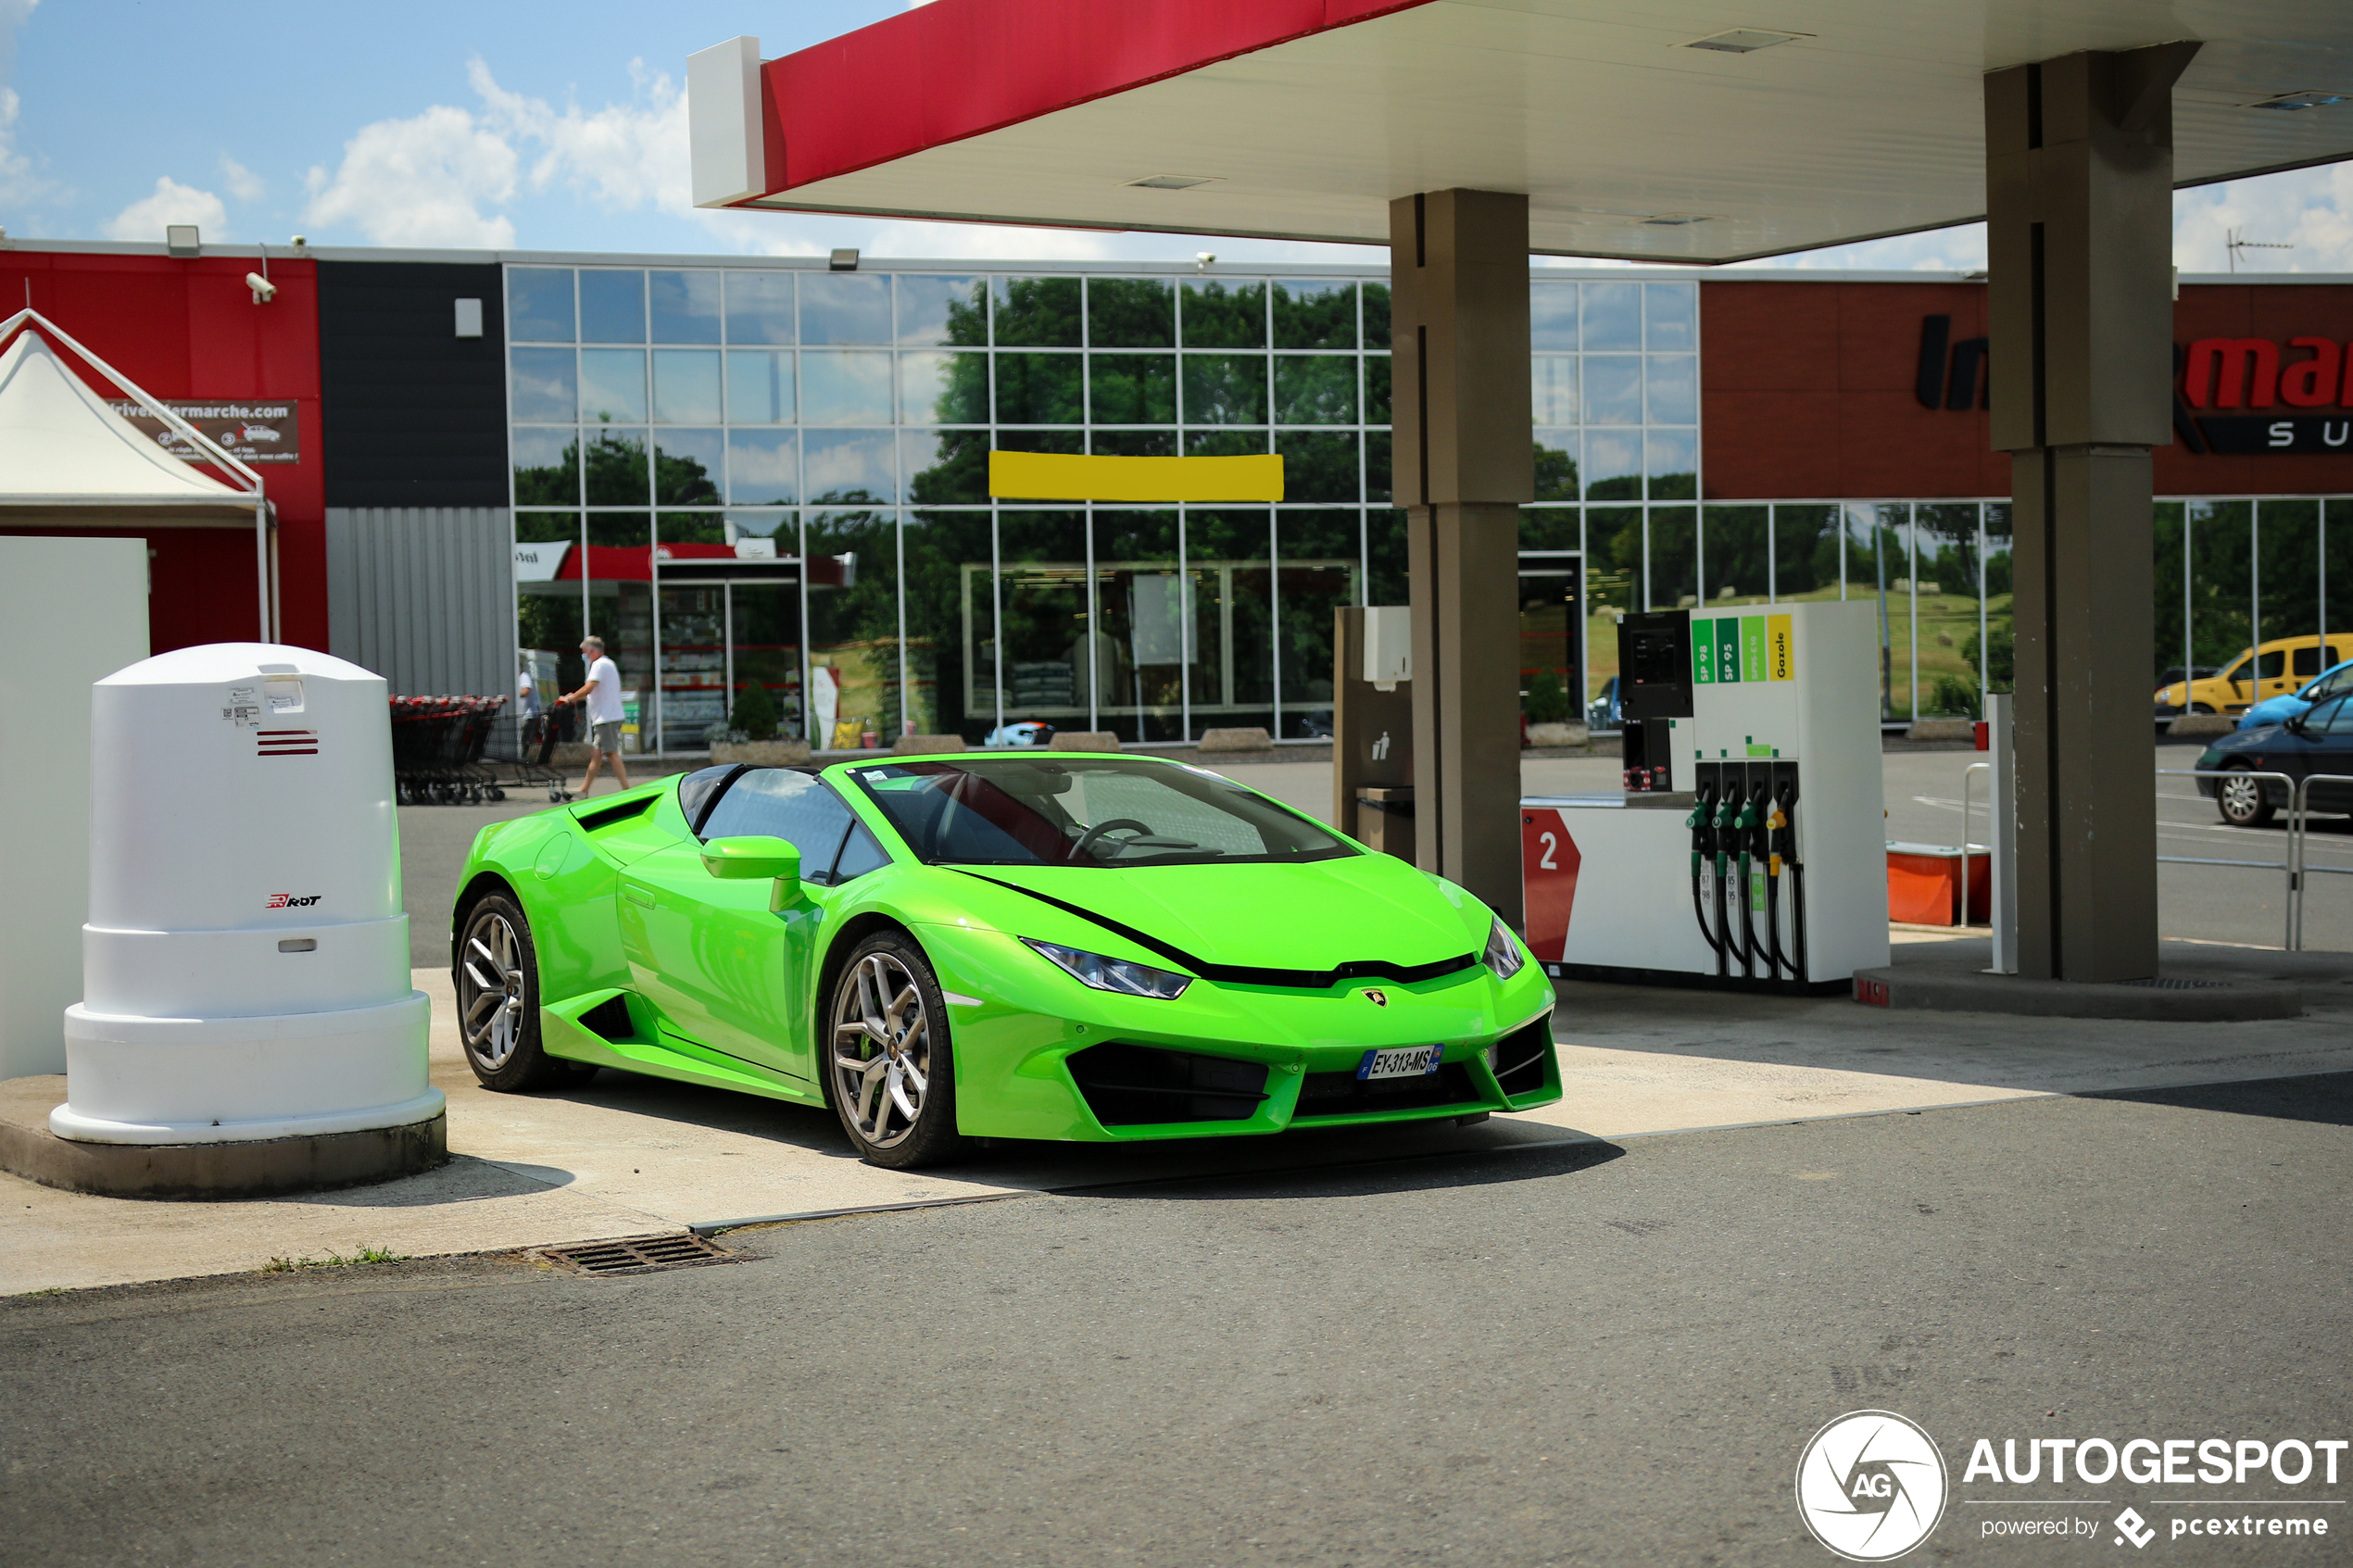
605, 735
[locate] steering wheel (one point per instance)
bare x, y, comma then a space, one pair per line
1087, 839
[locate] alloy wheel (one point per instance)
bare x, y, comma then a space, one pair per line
881, 1049
490, 990
2241, 799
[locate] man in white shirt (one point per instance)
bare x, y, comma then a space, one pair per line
601, 691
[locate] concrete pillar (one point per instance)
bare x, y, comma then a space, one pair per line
2079, 176
1463, 445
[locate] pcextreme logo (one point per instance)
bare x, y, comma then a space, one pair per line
1870, 1486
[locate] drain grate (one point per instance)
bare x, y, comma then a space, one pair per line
2166, 983
639, 1254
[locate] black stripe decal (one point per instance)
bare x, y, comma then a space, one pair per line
1244, 975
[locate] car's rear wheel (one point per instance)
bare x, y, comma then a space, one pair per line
889, 1069
2243, 800
497, 976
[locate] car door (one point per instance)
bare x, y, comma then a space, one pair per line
2234, 688
2275, 677
727, 973
2328, 732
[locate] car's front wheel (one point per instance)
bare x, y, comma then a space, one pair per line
497, 976
2243, 800
889, 1069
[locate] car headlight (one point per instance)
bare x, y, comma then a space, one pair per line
1504, 953
1112, 975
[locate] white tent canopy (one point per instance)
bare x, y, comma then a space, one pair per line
68, 460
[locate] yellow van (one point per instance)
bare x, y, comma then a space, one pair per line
2279, 667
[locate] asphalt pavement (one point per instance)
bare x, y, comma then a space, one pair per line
1593, 1352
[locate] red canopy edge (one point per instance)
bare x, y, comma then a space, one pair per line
957, 68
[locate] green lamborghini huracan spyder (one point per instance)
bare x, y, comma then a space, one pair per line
1049, 946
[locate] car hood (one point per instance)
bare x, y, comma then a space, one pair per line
1315, 916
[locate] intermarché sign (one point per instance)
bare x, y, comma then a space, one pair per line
2217, 375
261, 432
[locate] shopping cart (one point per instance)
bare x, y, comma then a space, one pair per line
524, 749
438, 749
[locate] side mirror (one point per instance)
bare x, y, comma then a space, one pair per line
2292, 724
756, 858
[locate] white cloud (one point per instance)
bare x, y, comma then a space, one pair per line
420, 181
2311, 209
147, 219
243, 183
625, 156
18, 182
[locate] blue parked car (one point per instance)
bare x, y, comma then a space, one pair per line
1605, 713
2333, 682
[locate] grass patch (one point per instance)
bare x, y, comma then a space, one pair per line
332, 1261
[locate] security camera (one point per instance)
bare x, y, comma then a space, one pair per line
1203, 260
300, 241
264, 290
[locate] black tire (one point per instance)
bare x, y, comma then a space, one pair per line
500, 1038
2201, 708
887, 1051
2244, 802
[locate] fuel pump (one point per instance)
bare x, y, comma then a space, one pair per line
1736, 705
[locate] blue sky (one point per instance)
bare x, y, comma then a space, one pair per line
493, 124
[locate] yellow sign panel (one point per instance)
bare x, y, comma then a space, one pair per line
1059, 476
1780, 649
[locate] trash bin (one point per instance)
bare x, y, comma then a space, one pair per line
1385, 819
1924, 885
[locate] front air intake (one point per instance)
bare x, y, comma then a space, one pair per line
1518, 1058
1129, 1086
1344, 1094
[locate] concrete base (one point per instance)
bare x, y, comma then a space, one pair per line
205, 1172
2198, 983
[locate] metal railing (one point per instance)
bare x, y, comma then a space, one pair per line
2285, 866
2299, 830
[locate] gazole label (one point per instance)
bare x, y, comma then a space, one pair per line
1780, 648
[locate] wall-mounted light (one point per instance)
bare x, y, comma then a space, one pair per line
469, 318
182, 239
2307, 100
1173, 182
1742, 40
844, 260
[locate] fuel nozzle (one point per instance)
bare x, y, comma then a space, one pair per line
1701, 822
1781, 825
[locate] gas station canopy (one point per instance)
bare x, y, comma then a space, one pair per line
1675, 131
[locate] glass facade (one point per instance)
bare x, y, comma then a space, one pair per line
776, 477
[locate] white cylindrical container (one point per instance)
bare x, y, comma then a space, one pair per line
245, 965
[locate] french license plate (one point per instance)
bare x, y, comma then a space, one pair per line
1403, 1061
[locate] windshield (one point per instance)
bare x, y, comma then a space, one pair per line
1086, 812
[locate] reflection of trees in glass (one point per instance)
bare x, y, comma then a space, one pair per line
1309, 588
1385, 543
1548, 528
1556, 475
1134, 443
1318, 465
1376, 388
1239, 536
1310, 315
1218, 316
1378, 477
1806, 552
958, 472
555, 482
1038, 389
1224, 443
1317, 389
1376, 315
1674, 556
938, 547
1130, 313
683, 480
1134, 389
1674, 486
1037, 312
616, 469
853, 626
1736, 552
1225, 389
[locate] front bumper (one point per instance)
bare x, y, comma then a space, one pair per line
1255, 1059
